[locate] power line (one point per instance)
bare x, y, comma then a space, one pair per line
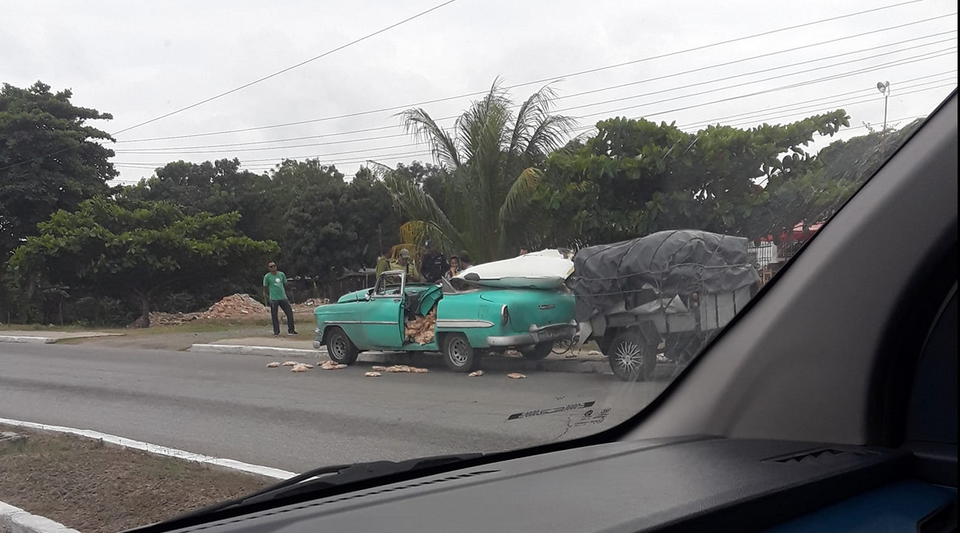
244, 86
793, 109
900, 84
904, 61
426, 153
346, 141
160, 151
288, 69
552, 78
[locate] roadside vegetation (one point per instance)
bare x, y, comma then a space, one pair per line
510, 173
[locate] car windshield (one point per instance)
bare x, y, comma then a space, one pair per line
205, 209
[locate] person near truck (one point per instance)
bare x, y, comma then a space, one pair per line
274, 283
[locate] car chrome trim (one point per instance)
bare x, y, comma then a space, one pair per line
456, 323
376, 323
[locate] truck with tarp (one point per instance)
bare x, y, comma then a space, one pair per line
659, 297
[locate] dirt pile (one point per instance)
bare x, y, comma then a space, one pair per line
235, 306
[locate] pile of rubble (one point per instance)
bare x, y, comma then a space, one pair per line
235, 306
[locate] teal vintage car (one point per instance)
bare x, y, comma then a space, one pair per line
469, 320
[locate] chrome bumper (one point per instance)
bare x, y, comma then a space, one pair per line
536, 335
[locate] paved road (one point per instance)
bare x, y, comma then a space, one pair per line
232, 406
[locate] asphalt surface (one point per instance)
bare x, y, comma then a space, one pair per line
233, 406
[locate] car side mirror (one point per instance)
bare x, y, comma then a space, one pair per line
368, 295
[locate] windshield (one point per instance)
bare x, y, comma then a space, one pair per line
205, 209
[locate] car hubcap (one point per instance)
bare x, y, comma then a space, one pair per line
629, 357
459, 352
339, 347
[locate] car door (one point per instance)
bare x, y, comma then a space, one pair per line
382, 320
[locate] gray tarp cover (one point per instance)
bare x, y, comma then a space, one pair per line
662, 264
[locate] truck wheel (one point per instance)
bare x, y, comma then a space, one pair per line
458, 355
537, 351
631, 358
340, 348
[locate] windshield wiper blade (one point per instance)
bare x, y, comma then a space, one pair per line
319, 479
327, 477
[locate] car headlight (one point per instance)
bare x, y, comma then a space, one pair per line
504, 315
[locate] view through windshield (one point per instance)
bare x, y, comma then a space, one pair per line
292, 236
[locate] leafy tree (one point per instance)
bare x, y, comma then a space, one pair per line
35, 123
493, 160
217, 187
836, 173
142, 250
333, 225
636, 177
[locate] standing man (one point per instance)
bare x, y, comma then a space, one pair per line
274, 281
383, 262
404, 263
433, 264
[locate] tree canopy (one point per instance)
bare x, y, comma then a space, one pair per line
136, 249
50, 158
635, 177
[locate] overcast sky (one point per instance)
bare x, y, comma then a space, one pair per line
139, 60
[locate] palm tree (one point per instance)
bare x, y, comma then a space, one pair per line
493, 159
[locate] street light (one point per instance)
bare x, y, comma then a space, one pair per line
884, 88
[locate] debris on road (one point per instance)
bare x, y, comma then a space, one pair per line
372, 375
330, 365
273, 364
405, 369
516, 375
594, 353
290, 363
300, 368
378, 368
475, 374
511, 353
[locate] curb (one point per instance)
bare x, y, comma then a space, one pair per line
16, 520
156, 449
417, 359
20, 339
255, 350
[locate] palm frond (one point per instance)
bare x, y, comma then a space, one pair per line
420, 206
520, 194
444, 148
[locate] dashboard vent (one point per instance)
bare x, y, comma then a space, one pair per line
823, 456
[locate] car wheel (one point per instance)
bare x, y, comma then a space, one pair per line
631, 358
458, 355
340, 348
537, 351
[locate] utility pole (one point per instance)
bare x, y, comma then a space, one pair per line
884, 88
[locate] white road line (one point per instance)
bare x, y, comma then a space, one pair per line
265, 471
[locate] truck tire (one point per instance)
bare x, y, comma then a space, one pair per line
632, 358
340, 348
458, 355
